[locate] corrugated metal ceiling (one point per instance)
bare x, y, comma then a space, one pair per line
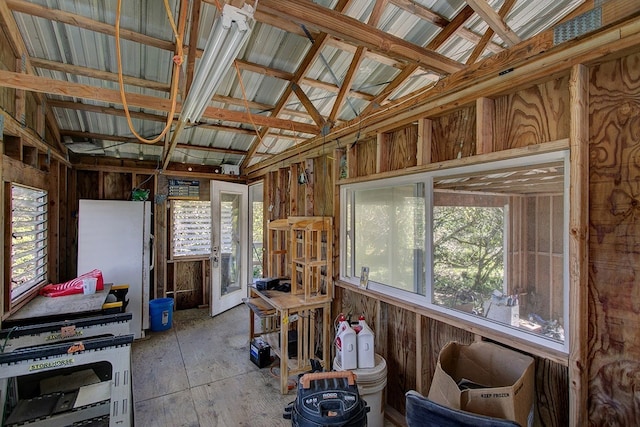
268, 46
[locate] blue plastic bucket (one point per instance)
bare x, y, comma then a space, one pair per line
161, 313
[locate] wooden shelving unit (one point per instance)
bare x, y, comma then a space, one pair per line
278, 262
281, 312
311, 257
300, 248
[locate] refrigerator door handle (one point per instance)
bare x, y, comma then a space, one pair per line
152, 242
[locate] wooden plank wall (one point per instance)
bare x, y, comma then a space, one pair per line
408, 340
533, 115
614, 251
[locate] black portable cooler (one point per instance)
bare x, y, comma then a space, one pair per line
328, 399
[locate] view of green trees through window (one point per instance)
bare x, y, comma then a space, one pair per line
468, 255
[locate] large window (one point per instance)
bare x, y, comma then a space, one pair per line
485, 243
386, 234
190, 228
28, 239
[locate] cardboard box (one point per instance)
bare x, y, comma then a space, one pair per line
505, 381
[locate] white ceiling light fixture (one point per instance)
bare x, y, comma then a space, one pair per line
228, 35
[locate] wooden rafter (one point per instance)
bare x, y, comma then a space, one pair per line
350, 29
126, 139
86, 23
345, 88
311, 55
57, 87
308, 105
193, 44
494, 21
486, 38
10, 28
97, 74
457, 22
427, 14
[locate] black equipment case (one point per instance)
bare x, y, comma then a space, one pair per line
328, 399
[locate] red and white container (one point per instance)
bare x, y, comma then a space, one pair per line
346, 345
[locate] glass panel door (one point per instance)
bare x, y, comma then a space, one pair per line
229, 248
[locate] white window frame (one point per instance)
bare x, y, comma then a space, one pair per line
426, 300
206, 238
39, 233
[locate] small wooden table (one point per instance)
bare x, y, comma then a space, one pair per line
276, 309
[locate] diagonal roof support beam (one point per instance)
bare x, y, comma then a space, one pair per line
345, 88
438, 41
486, 38
494, 21
350, 29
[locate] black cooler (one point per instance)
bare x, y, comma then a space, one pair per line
328, 399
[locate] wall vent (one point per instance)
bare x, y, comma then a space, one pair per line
578, 26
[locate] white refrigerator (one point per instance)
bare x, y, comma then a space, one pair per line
115, 237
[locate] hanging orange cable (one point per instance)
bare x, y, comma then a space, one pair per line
177, 62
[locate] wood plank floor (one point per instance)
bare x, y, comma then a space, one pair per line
198, 374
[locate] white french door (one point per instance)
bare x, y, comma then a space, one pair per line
229, 245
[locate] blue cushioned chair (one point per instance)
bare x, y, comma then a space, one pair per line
422, 412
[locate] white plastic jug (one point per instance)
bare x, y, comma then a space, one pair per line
346, 345
364, 339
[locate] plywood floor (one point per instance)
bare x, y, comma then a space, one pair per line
198, 374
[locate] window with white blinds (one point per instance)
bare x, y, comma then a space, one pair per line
28, 239
191, 228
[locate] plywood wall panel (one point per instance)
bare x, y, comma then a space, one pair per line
614, 252
188, 284
87, 185
454, 135
117, 186
365, 159
400, 355
323, 188
532, 116
552, 397
399, 149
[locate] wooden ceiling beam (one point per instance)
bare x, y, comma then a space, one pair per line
374, 56
97, 74
316, 45
494, 21
344, 27
428, 15
131, 140
334, 88
192, 51
308, 105
488, 35
457, 22
264, 70
211, 149
345, 87
86, 23
13, 37
57, 87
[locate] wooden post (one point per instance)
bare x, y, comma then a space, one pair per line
308, 188
381, 159
578, 245
425, 136
20, 95
485, 113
